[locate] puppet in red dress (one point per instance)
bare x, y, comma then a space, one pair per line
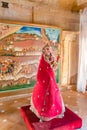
46, 100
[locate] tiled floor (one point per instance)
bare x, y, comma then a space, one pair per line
10, 118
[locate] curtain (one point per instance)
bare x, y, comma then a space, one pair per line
82, 62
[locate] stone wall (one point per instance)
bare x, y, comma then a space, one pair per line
44, 12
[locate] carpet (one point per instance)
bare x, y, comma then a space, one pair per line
70, 121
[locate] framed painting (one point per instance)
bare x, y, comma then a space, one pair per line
20, 50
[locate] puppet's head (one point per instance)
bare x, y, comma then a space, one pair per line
47, 49
48, 55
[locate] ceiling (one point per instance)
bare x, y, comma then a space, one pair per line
72, 5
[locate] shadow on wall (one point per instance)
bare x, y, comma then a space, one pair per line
73, 79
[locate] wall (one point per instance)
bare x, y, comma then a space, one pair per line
69, 57
44, 12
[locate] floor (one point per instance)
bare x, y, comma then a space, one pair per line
10, 103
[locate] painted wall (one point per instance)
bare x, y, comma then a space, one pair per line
20, 52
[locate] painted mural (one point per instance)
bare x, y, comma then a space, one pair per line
20, 51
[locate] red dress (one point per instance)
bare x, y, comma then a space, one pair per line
46, 100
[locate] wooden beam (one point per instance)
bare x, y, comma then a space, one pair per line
82, 6
80, 2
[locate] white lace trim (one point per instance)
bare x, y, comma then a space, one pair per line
33, 109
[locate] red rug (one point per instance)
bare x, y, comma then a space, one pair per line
70, 121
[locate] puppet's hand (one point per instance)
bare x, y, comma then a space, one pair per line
55, 65
58, 58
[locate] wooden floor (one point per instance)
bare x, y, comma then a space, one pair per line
10, 103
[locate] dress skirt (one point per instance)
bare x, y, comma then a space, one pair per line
46, 100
